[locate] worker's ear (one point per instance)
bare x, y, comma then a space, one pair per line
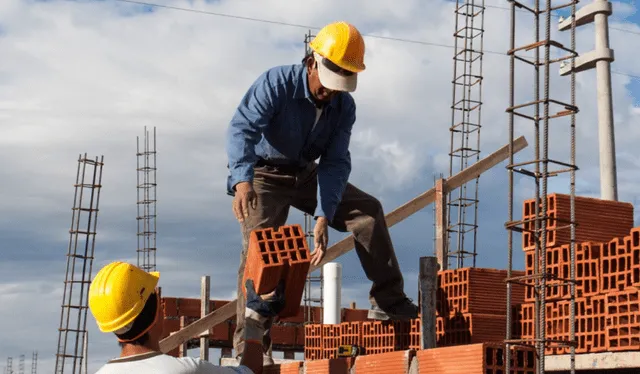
311, 64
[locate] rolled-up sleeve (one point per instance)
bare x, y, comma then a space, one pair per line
334, 167
249, 121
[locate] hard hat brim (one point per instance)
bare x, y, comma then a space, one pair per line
335, 81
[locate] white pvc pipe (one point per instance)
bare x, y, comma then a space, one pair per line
331, 292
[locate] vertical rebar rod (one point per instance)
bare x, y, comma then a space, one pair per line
539, 226
462, 222
147, 199
572, 265
512, 29
85, 267
308, 298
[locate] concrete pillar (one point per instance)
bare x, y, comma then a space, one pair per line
428, 285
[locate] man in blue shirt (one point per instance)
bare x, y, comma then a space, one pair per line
291, 116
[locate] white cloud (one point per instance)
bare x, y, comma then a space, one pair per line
80, 77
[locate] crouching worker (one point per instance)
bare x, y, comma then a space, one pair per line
123, 300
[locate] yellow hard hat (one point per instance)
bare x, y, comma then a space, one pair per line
341, 44
118, 294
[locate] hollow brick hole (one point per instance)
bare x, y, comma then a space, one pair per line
302, 253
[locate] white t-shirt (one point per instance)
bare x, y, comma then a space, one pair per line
159, 363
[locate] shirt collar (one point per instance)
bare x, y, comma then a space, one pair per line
302, 87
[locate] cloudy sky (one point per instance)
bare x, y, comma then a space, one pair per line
87, 76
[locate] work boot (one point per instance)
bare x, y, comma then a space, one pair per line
404, 309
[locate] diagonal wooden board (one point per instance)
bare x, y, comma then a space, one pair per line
345, 245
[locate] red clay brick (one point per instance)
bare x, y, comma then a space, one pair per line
300, 335
330, 340
471, 328
384, 363
284, 368
328, 366
465, 291
305, 314
169, 307
291, 367
482, 358
385, 336
557, 264
615, 265
221, 332
587, 273
351, 333
313, 342
285, 335
591, 317
634, 245
349, 315
523, 360
275, 255
617, 222
623, 320
415, 334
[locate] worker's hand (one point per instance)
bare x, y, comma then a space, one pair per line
245, 197
260, 307
321, 238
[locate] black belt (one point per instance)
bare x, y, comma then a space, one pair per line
286, 168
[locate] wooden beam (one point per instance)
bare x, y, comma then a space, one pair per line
442, 236
418, 203
205, 301
345, 245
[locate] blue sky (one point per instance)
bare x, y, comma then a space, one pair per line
87, 76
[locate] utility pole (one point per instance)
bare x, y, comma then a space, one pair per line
600, 58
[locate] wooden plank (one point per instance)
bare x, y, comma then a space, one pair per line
418, 203
345, 245
205, 297
442, 236
203, 324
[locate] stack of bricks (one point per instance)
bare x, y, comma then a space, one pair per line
471, 305
466, 314
607, 266
480, 358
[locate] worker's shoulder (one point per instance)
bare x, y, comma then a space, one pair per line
167, 364
283, 76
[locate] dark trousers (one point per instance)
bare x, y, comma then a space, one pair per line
358, 213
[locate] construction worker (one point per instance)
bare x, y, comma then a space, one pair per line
123, 299
289, 117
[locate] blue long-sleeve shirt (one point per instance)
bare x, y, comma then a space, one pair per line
275, 121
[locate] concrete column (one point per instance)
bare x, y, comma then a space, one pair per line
608, 172
428, 285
